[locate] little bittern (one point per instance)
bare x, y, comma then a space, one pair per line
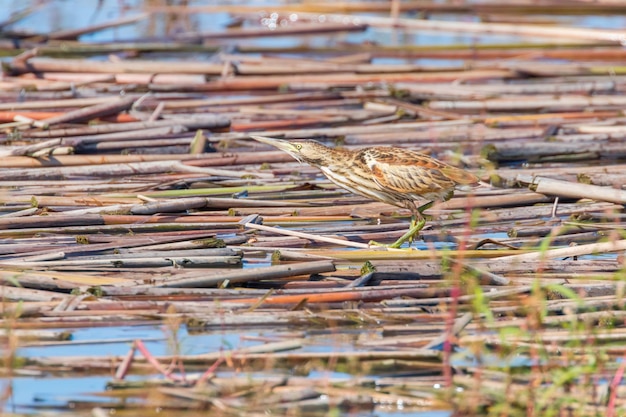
392, 175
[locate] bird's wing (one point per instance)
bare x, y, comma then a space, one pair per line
410, 172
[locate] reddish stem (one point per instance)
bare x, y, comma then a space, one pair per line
152, 361
619, 375
209, 372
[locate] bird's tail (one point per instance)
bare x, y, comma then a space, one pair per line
460, 176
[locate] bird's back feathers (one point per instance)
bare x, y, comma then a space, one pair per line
412, 173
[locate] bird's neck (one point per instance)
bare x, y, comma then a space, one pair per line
330, 157
341, 157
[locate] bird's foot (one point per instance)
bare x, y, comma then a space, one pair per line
374, 243
415, 228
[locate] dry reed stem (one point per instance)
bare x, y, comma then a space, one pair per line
121, 232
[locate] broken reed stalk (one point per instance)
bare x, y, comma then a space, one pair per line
308, 236
481, 27
75, 33
190, 123
125, 227
575, 190
580, 250
119, 170
272, 272
115, 106
140, 66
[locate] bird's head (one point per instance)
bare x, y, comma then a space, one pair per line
308, 151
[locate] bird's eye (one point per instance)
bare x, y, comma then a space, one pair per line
298, 146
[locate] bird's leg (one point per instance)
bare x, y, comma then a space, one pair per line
417, 224
421, 209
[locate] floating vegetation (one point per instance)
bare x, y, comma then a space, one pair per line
132, 197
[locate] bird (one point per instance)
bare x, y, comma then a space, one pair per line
392, 175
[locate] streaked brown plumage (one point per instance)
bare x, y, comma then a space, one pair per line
392, 175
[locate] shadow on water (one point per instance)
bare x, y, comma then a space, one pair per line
57, 391
32, 390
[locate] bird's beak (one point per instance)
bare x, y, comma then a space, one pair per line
283, 145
